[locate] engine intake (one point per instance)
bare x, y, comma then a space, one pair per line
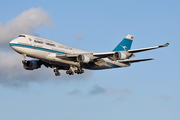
31, 64
83, 59
119, 56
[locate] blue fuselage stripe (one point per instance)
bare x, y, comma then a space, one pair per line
38, 48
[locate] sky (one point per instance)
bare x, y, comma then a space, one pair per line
144, 91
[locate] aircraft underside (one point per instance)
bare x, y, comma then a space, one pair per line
35, 64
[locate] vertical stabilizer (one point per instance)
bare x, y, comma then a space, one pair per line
125, 44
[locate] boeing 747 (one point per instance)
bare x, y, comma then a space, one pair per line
61, 57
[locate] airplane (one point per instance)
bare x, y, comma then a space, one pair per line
61, 57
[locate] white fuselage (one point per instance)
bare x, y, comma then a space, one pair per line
46, 50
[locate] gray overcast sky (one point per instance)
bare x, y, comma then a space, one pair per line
143, 91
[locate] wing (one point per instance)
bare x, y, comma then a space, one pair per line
149, 48
111, 55
90, 55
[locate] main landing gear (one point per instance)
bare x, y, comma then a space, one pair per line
57, 73
71, 71
78, 71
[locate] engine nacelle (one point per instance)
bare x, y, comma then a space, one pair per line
119, 56
83, 59
31, 64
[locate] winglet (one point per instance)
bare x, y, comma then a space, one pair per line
165, 45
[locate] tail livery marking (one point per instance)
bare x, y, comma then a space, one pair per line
125, 44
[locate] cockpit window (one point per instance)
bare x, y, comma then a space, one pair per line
21, 35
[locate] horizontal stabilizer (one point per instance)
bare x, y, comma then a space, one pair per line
134, 61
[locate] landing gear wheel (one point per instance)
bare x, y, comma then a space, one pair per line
57, 73
79, 71
70, 72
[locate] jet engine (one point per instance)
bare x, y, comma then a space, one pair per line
83, 59
31, 64
119, 56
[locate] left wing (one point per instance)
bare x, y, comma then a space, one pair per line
128, 52
92, 55
112, 55
149, 48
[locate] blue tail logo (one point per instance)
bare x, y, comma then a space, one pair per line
125, 44
124, 47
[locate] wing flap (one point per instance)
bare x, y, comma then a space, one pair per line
100, 62
71, 57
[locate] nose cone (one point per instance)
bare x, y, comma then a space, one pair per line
13, 43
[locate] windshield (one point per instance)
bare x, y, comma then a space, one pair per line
21, 35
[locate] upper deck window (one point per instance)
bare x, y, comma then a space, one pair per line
21, 35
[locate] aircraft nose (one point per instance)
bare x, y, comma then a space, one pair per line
12, 42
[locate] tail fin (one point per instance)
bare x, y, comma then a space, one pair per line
125, 44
